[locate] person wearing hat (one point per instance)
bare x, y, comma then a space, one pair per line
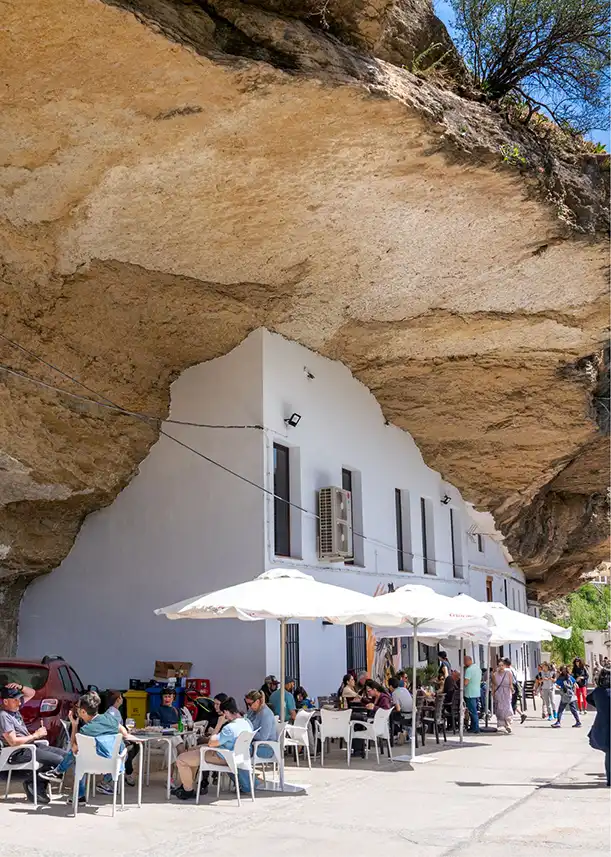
269, 686
14, 733
290, 706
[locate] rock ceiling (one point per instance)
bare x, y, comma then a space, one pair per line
176, 174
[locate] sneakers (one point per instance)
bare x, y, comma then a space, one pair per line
544, 717
81, 801
552, 717
576, 725
105, 789
556, 725
130, 779
52, 776
523, 717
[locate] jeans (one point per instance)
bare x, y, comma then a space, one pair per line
573, 709
471, 703
65, 765
547, 700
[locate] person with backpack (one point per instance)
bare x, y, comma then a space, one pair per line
580, 674
600, 699
565, 685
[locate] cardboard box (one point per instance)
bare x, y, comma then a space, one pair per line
172, 669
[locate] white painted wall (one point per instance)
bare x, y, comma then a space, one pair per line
183, 527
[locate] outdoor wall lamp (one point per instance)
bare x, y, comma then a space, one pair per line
445, 499
293, 421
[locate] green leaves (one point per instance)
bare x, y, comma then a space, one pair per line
552, 53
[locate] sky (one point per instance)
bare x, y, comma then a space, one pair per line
444, 11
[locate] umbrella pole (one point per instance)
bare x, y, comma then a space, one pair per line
414, 691
461, 724
487, 727
282, 668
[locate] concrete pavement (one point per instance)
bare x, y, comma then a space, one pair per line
536, 792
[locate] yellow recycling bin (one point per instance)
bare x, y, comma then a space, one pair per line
135, 703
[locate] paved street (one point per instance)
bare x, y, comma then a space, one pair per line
535, 793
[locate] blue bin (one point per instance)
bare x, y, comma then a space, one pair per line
154, 700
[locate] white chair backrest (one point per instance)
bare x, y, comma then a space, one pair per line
303, 718
335, 724
241, 747
380, 722
88, 759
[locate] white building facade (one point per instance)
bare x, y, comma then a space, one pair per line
184, 526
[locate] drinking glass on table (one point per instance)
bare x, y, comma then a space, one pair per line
130, 724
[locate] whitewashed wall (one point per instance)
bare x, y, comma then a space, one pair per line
182, 527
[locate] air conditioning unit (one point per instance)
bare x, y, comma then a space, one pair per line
334, 524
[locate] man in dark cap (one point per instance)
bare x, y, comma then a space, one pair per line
14, 733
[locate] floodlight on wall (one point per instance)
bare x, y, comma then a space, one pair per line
293, 421
445, 499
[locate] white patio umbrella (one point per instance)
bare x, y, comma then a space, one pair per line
407, 610
280, 593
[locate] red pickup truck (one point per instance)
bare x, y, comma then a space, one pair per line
57, 687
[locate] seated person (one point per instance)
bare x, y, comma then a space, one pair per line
114, 701
403, 680
262, 721
361, 682
229, 726
301, 698
166, 713
377, 695
400, 696
269, 686
347, 690
14, 733
290, 706
103, 727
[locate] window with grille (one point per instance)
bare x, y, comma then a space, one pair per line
292, 652
480, 543
356, 647
282, 510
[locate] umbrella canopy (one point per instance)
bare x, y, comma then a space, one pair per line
280, 593
510, 626
397, 613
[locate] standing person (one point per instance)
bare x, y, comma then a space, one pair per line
566, 685
473, 689
547, 680
502, 691
600, 699
14, 733
444, 664
580, 674
516, 693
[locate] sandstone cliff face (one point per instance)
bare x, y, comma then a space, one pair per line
175, 174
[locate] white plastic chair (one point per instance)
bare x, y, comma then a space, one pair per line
237, 759
378, 730
277, 748
333, 724
30, 765
298, 735
89, 764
